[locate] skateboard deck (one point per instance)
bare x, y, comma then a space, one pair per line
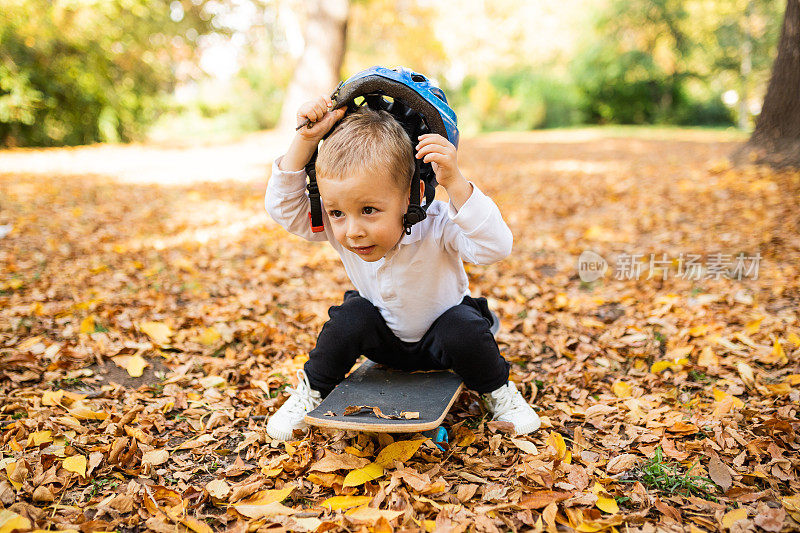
419, 400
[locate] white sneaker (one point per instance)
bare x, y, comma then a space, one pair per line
508, 405
290, 416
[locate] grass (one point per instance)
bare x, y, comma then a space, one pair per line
664, 476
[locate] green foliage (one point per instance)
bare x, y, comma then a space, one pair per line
76, 72
516, 99
668, 61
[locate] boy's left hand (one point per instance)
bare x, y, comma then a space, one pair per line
441, 154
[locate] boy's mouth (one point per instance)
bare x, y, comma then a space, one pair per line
363, 250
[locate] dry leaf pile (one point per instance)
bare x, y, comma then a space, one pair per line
146, 334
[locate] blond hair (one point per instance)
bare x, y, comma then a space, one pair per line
367, 139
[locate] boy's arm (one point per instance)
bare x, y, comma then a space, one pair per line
476, 231
474, 227
286, 200
287, 203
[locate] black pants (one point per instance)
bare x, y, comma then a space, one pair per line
459, 339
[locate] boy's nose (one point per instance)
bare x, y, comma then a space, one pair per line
354, 230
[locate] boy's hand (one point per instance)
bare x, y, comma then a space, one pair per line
441, 154
318, 112
306, 139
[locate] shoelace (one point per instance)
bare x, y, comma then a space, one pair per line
507, 401
302, 395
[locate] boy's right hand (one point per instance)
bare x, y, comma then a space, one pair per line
319, 116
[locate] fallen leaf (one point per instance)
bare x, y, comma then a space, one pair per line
362, 475
730, 517
398, 451
719, 473
76, 464
341, 461
155, 457
158, 331
345, 502
218, 488
526, 446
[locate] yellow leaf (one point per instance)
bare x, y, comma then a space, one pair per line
734, 516
660, 366
345, 502
76, 463
196, 525
82, 412
158, 331
87, 324
621, 389
265, 497
794, 339
10, 468
40, 437
9, 521
753, 326
720, 396
557, 441
135, 365
362, 475
699, 331
352, 450
209, 336
608, 505
777, 350
792, 503
398, 451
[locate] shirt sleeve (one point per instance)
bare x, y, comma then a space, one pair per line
287, 203
477, 231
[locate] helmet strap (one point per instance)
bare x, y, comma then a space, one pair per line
313, 195
415, 212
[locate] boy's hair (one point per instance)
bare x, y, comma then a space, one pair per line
367, 139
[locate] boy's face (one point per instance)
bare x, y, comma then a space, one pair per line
366, 212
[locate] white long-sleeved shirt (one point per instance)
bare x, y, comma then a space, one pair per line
423, 275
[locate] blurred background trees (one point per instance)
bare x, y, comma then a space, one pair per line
82, 71
74, 72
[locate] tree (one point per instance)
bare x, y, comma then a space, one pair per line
81, 72
776, 139
317, 71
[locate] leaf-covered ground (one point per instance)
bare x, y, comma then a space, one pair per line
152, 316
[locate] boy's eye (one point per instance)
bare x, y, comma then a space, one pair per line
334, 213
369, 210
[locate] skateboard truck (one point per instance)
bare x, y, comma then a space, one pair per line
438, 436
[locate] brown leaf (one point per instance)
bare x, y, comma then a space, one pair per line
542, 498
668, 511
719, 473
621, 463
338, 461
770, 518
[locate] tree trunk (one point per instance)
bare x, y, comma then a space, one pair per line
776, 139
317, 69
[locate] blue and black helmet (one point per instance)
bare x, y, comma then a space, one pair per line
418, 105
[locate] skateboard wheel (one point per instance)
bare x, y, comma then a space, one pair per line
437, 435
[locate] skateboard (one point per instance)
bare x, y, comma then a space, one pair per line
385, 400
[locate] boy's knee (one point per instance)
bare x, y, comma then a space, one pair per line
463, 330
355, 307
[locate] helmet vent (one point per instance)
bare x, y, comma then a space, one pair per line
418, 78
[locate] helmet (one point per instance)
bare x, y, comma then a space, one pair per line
418, 105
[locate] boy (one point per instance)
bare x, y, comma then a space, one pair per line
412, 308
